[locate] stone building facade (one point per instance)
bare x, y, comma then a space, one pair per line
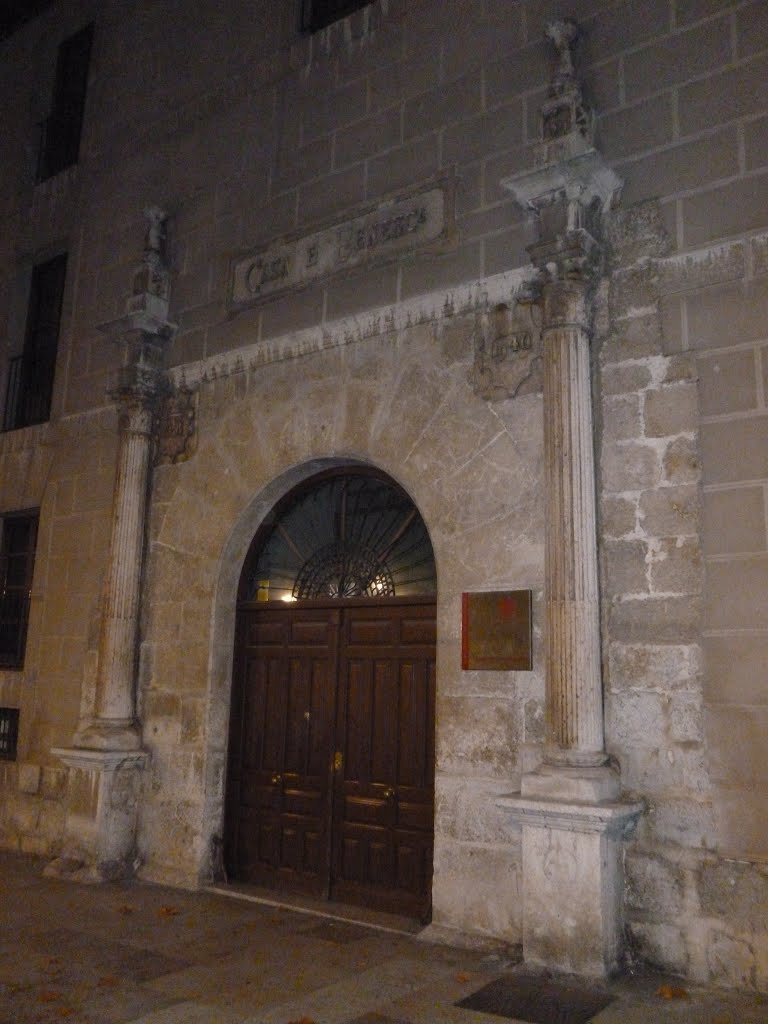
521, 276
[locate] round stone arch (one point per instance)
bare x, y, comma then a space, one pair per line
223, 635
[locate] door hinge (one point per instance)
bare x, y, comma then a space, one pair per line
338, 761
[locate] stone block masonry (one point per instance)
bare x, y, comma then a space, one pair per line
253, 136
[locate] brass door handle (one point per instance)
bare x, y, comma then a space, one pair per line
276, 780
389, 793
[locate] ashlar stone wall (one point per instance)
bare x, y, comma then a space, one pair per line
696, 881
403, 401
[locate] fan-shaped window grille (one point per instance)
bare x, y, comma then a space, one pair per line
345, 535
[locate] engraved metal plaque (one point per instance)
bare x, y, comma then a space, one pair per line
379, 233
496, 630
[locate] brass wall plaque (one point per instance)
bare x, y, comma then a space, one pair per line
496, 630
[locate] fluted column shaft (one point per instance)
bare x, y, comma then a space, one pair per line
114, 724
574, 711
115, 699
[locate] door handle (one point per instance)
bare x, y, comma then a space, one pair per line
277, 779
389, 793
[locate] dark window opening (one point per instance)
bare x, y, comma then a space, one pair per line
316, 14
18, 540
61, 130
9, 733
30, 376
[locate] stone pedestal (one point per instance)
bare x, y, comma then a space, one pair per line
572, 881
102, 805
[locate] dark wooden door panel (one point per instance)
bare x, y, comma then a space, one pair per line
384, 806
281, 746
351, 686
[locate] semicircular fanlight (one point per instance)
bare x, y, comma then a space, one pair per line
345, 535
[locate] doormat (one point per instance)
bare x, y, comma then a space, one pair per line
538, 1000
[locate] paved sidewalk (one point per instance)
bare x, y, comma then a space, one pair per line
145, 954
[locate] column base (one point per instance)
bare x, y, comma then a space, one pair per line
572, 873
102, 805
561, 782
108, 735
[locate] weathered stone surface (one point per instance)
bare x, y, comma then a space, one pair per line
662, 945
618, 516
626, 566
734, 888
670, 410
681, 461
654, 886
676, 566
654, 666
670, 511
629, 466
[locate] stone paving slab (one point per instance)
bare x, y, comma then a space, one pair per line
133, 953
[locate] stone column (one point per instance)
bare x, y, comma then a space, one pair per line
105, 760
574, 712
114, 726
570, 812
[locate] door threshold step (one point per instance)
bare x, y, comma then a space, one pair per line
361, 916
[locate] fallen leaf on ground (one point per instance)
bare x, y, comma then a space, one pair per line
125, 909
65, 1011
672, 992
49, 997
463, 977
108, 981
168, 911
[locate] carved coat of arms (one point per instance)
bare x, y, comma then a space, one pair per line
508, 350
176, 435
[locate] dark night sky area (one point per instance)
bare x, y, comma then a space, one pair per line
14, 13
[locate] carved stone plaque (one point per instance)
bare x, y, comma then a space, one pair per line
379, 233
508, 350
177, 432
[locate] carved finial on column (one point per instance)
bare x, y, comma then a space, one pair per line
152, 277
563, 34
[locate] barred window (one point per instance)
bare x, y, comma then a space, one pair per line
29, 387
316, 14
9, 733
18, 539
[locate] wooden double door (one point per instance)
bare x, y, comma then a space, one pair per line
331, 762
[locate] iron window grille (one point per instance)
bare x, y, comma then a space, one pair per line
29, 387
316, 14
9, 733
18, 541
59, 143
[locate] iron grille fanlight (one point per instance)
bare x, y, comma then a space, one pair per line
345, 535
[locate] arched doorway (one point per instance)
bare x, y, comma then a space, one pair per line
330, 787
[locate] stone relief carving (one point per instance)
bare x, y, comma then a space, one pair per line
508, 351
176, 426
